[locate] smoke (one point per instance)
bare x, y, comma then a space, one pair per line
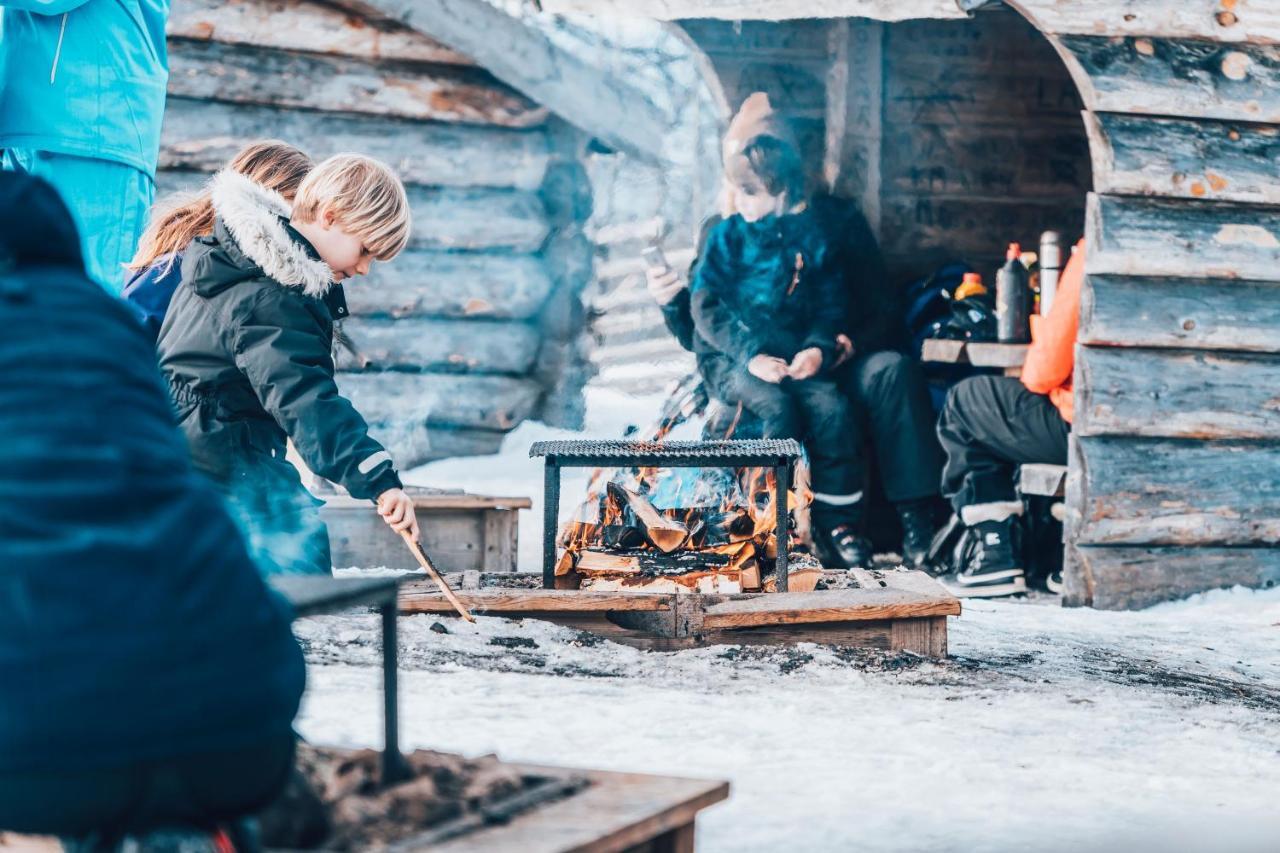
279, 519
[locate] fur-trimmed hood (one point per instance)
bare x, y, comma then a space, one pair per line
255, 217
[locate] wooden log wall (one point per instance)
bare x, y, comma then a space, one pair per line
956, 136
464, 335
1174, 454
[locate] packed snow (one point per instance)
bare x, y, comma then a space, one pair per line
1047, 729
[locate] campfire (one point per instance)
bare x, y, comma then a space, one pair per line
678, 529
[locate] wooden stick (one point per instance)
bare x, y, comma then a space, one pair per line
435, 576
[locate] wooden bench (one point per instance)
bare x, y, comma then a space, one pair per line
1042, 479
460, 531
1007, 357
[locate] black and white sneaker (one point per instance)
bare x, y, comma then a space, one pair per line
990, 568
1053, 582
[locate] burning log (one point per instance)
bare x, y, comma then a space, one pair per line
662, 532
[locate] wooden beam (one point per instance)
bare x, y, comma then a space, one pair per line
1255, 21
414, 443
1183, 239
797, 608
446, 284
1180, 158
854, 125
1142, 491
515, 50
1131, 578
219, 72
462, 346
1206, 314
616, 812
760, 10
1176, 394
447, 218
422, 596
304, 25
1176, 77
204, 135
434, 399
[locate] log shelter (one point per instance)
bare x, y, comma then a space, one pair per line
1153, 126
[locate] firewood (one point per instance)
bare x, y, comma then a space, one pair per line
565, 564
798, 580
704, 582
751, 576
662, 532
597, 562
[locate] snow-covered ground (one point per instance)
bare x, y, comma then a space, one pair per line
1047, 729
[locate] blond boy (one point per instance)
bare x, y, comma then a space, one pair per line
246, 348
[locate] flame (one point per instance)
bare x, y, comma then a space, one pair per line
728, 515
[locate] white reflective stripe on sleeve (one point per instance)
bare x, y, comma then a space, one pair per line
373, 461
838, 500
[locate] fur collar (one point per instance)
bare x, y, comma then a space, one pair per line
251, 213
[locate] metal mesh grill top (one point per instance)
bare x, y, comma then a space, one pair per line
782, 448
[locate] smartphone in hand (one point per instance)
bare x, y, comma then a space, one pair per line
655, 259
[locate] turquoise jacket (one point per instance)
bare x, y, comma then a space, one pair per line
84, 77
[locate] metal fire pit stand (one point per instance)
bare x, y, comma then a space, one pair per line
313, 595
779, 454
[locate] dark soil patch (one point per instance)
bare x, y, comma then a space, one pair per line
514, 642
335, 800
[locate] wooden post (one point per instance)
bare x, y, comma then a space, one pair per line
550, 520
781, 488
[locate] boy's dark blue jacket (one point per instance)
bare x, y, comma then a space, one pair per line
771, 287
133, 624
150, 289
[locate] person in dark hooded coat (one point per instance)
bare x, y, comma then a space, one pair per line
247, 349
147, 675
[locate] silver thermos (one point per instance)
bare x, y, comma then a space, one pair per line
1050, 268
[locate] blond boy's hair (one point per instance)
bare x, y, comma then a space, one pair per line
366, 198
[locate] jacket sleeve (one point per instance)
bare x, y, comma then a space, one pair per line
1051, 356
830, 298
284, 352
678, 313
713, 317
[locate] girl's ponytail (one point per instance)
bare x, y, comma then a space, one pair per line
274, 164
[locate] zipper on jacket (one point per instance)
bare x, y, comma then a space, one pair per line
57, 53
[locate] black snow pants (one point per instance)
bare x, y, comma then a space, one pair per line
989, 426
891, 404
818, 412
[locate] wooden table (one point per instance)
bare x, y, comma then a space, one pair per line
314, 595
1007, 357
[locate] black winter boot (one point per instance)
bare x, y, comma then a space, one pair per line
917, 531
843, 548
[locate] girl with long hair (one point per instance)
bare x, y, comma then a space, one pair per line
156, 266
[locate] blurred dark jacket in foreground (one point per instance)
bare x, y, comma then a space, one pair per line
134, 629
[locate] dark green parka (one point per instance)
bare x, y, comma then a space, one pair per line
247, 350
